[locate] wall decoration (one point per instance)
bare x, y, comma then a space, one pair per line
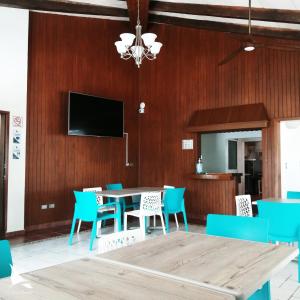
16, 136
17, 121
16, 152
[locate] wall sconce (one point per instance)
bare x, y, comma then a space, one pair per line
142, 107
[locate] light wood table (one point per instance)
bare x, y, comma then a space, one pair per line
278, 200
236, 266
93, 279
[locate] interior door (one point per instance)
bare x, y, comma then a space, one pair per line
3, 170
290, 156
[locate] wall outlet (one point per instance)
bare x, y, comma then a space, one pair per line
44, 206
52, 205
187, 144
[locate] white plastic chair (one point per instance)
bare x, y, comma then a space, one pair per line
150, 206
100, 202
118, 240
243, 206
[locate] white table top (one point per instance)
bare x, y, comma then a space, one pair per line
233, 265
129, 192
93, 279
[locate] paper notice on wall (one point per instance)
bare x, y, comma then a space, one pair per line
16, 151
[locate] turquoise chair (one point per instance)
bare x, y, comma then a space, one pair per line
5, 259
173, 201
293, 195
87, 210
284, 219
245, 228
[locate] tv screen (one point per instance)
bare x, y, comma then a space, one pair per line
95, 116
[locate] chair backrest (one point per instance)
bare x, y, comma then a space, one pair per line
293, 195
115, 186
86, 206
5, 259
243, 206
118, 240
284, 218
151, 202
244, 228
174, 200
95, 189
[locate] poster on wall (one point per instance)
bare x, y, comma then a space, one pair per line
16, 152
16, 136
17, 121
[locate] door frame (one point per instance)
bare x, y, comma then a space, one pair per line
6, 151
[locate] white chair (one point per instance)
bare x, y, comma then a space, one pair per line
154, 218
150, 206
243, 206
118, 240
100, 202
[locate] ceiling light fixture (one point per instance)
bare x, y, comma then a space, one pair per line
138, 52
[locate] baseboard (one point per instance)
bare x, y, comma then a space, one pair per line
14, 234
48, 225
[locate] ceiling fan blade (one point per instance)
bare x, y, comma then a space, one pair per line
231, 56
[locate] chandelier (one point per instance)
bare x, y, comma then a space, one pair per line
138, 52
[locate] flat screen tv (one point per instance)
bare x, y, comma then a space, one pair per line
94, 116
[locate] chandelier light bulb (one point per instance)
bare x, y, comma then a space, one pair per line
149, 39
127, 38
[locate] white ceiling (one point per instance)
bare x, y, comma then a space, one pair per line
275, 4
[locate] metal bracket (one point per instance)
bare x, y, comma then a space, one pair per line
127, 163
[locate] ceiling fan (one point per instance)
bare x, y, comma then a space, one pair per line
249, 44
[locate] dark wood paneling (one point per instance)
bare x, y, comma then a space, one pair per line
72, 53
185, 78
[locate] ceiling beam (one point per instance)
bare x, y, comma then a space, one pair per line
281, 33
65, 6
133, 9
223, 11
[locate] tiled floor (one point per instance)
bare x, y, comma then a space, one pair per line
29, 256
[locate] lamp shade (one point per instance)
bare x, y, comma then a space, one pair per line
137, 51
148, 39
121, 48
155, 48
127, 38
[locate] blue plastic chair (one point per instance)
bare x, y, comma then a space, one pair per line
245, 228
174, 203
5, 259
284, 219
87, 210
293, 195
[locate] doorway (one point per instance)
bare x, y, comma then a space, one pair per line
4, 129
290, 159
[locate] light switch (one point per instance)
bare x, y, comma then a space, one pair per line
187, 144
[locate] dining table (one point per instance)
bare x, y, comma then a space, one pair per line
227, 265
277, 200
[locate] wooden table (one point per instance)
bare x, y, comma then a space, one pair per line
230, 265
278, 200
94, 279
128, 192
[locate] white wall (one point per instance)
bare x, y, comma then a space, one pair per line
13, 95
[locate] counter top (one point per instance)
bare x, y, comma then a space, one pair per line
216, 176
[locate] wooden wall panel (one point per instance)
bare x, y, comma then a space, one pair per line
72, 53
185, 78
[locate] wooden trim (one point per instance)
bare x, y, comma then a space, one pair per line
213, 176
48, 225
66, 7
229, 126
14, 234
282, 33
225, 11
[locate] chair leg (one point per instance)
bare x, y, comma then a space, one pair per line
162, 224
93, 234
72, 230
79, 225
125, 221
185, 221
142, 226
154, 221
176, 221
299, 269
98, 229
167, 222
